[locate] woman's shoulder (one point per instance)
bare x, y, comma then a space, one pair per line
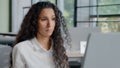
22, 45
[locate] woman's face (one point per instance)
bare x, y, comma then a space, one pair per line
46, 22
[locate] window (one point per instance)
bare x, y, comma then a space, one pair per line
69, 12
99, 13
82, 13
106, 14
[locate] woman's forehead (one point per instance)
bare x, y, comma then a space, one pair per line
47, 11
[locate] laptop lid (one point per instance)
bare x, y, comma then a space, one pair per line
102, 51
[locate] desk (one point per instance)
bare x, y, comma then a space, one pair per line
74, 54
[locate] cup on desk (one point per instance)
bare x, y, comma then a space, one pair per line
82, 46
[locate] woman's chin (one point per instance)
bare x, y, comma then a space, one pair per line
48, 34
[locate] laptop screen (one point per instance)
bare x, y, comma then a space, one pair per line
102, 51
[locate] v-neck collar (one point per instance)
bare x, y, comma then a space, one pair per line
37, 46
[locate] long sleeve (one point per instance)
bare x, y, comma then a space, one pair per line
17, 58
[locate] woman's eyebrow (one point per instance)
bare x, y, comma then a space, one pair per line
46, 16
43, 17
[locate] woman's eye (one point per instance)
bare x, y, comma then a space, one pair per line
54, 19
43, 19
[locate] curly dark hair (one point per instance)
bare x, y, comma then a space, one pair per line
29, 29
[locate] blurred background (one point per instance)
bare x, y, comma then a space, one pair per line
83, 17
78, 13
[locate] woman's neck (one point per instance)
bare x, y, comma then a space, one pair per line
44, 41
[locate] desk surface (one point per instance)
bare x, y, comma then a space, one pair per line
74, 54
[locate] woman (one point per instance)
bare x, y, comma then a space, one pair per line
39, 43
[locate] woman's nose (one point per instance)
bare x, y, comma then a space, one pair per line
50, 23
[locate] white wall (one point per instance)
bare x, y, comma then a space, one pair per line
18, 13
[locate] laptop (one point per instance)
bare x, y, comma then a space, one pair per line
102, 51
